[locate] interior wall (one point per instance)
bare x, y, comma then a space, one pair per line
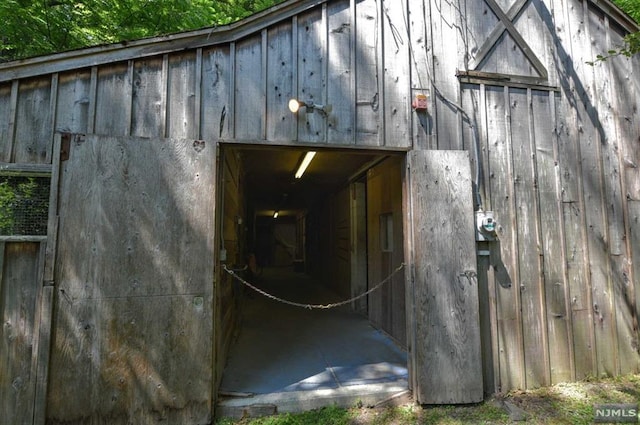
385, 247
233, 224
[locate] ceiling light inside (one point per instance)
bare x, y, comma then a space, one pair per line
304, 164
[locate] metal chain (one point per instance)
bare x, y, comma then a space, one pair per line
313, 306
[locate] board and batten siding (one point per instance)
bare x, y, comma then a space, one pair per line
559, 168
558, 153
232, 91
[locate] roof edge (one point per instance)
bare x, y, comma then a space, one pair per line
153, 46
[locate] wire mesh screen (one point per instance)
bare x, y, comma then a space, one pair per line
24, 205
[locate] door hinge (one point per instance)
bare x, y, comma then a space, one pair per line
65, 146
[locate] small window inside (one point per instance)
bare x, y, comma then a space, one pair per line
24, 205
386, 232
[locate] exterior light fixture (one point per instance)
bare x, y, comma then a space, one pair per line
305, 163
276, 213
295, 105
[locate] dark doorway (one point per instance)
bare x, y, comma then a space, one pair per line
304, 240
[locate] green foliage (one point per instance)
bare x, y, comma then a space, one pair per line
35, 27
24, 206
631, 43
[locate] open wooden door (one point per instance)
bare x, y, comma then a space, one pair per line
442, 295
133, 307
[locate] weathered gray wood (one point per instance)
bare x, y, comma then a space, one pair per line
149, 98
8, 169
217, 90
72, 111
367, 79
530, 279
595, 186
18, 301
5, 118
52, 220
449, 364
556, 291
181, 97
504, 254
387, 305
624, 301
11, 132
397, 100
113, 100
281, 60
134, 322
41, 340
340, 72
311, 79
33, 122
571, 33
249, 93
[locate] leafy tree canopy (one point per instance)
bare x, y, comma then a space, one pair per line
35, 27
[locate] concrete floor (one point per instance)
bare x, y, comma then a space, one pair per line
292, 359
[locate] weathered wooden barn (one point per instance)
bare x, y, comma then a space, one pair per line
163, 159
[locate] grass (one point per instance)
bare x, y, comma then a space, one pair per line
561, 404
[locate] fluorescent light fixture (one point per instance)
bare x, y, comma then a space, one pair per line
305, 163
276, 214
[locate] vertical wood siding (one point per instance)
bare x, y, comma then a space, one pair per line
561, 168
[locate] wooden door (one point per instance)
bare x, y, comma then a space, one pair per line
442, 293
133, 319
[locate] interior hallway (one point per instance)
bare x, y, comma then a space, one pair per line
291, 353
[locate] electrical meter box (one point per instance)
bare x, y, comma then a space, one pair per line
485, 226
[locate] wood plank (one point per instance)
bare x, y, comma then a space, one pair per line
43, 354
181, 97
72, 112
53, 104
368, 86
18, 302
593, 138
312, 52
556, 291
113, 108
358, 245
340, 76
5, 119
216, 94
530, 278
148, 105
249, 93
397, 113
449, 365
144, 312
448, 57
13, 116
619, 132
510, 344
386, 306
152, 369
421, 73
41, 340
33, 122
52, 221
571, 37
280, 122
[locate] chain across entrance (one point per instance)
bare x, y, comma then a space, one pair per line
312, 306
